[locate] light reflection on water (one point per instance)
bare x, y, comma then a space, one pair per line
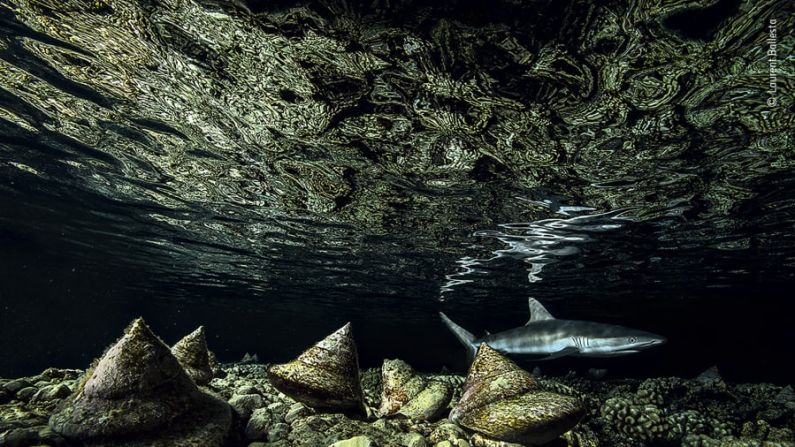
538, 243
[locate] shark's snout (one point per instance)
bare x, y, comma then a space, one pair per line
655, 340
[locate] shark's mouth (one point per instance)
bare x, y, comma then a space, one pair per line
640, 346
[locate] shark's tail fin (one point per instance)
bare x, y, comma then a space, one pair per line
465, 337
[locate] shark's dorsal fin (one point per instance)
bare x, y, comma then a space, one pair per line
538, 312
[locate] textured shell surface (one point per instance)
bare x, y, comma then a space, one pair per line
138, 363
192, 353
138, 386
337, 352
325, 375
493, 377
395, 375
504, 402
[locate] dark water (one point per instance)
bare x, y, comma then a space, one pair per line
152, 187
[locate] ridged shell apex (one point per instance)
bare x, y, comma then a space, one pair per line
504, 402
137, 363
325, 375
193, 355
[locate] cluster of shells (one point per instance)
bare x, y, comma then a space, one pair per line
140, 392
500, 401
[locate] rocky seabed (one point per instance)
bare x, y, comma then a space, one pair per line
143, 393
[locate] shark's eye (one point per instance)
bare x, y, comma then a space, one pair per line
632, 339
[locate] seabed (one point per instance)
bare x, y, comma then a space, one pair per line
239, 405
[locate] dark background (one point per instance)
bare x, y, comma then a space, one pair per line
61, 304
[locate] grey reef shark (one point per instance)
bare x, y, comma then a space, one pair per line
550, 338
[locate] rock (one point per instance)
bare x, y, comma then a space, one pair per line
397, 386
278, 432
193, 355
446, 432
479, 440
138, 394
5, 396
325, 376
356, 441
405, 392
258, 425
444, 444
430, 404
786, 395
247, 389
278, 409
14, 386
60, 374
413, 440
504, 402
709, 374
25, 394
296, 411
20, 437
49, 437
51, 392
245, 404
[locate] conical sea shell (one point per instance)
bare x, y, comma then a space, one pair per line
325, 375
503, 402
407, 393
137, 388
194, 357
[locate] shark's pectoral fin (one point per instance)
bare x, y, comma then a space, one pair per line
538, 312
562, 353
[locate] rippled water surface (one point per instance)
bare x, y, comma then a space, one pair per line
274, 170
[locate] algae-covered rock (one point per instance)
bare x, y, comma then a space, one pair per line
503, 402
622, 413
413, 440
258, 425
407, 393
51, 392
193, 355
138, 394
245, 404
325, 375
356, 441
430, 404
